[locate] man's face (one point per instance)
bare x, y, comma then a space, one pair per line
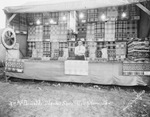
79, 43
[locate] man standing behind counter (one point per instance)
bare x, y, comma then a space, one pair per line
80, 51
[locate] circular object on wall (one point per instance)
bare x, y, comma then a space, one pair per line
8, 38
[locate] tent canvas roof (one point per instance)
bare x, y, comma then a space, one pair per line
66, 6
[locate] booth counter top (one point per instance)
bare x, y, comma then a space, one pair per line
98, 73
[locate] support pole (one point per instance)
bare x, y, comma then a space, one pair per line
143, 8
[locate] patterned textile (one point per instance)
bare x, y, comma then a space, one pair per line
121, 30
111, 54
98, 53
54, 33
31, 46
99, 31
101, 12
39, 48
30, 19
38, 17
101, 45
90, 32
80, 18
134, 12
123, 9
112, 13
111, 50
92, 50
110, 31
62, 46
31, 33
135, 68
46, 18
46, 33
63, 17
131, 29
71, 25
139, 49
92, 15
14, 65
47, 49
71, 52
38, 33
62, 33
82, 28
120, 50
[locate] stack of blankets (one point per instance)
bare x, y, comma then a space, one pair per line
139, 49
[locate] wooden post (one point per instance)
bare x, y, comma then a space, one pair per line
10, 19
143, 8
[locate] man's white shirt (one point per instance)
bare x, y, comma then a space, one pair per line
80, 50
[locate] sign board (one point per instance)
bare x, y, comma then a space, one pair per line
76, 67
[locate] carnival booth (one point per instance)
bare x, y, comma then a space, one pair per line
115, 34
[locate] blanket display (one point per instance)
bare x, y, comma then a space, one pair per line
139, 49
14, 65
102, 28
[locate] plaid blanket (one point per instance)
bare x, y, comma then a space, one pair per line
46, 49
131, 29
99, 31
30, 47
82, 28
38, 33
31, 33
120, 50
110, 31
90, 36
46, 32
121, 30
92, 15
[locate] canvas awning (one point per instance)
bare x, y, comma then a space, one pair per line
66, 6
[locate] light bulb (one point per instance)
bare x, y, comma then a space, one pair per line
103, 17
38, 22
64, 18
124, 15
81, 16
51, 21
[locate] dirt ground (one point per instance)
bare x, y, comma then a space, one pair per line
51, 99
